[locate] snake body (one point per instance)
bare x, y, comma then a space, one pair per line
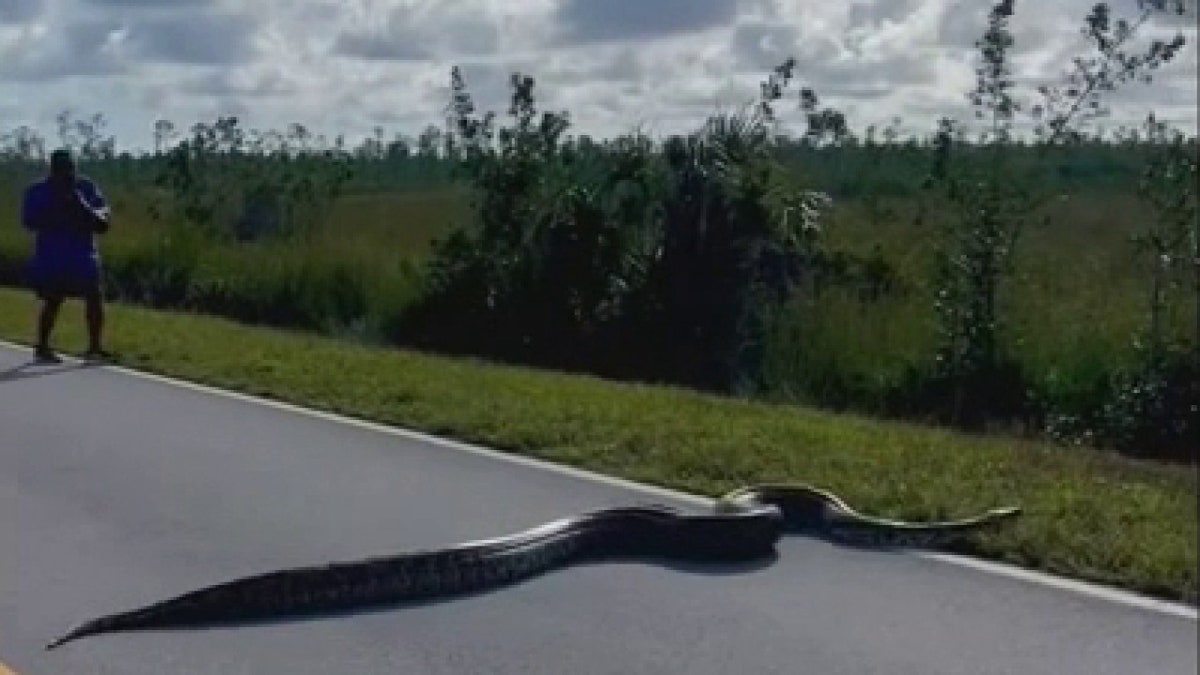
745, 525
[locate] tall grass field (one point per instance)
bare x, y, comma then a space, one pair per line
1078, 300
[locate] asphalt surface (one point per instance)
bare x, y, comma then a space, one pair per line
117, 491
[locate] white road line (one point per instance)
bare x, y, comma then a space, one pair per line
1115, 595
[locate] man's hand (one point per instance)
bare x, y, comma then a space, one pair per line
77, 209
98, 218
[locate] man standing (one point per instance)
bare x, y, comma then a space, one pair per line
65, 211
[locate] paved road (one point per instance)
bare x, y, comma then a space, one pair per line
117, 491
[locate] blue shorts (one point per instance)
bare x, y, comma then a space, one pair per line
64, 278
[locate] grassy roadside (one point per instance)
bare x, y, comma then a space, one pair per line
1088, 516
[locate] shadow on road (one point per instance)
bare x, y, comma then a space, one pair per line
31, 369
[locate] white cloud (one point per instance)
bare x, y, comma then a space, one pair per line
344, 66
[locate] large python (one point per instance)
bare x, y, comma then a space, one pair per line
745, 525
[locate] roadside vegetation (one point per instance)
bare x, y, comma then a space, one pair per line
1046, 288
1087, 515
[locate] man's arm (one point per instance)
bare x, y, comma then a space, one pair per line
94, 207
33, 209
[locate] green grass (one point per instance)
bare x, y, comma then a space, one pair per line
1072, 307
1070, 311
362, 259
1087, 515
1077, 290
371, 230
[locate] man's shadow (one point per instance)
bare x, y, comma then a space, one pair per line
33, 368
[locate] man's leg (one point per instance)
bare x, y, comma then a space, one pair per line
51, 302
94, 309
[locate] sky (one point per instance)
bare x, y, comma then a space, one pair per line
662, 66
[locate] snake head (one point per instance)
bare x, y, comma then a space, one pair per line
1004, 512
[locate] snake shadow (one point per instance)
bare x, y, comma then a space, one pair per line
860, 546
963, 548
705, 568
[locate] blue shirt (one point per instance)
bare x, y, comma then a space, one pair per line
64, 237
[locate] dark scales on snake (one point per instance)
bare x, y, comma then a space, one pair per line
745, 525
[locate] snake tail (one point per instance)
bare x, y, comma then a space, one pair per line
338, 586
